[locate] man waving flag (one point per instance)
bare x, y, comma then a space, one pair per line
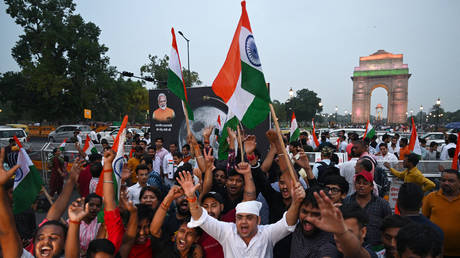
414, 144
295, 131
240, 82
175, 79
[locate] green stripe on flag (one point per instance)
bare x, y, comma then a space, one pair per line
253, 81
370, 134
25, 193
257, 112
176, 86
223, 144
295, 136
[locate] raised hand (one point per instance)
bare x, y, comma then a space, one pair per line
231, 134
126, 204
175, 192
125, 172
250, 144
272, 137
207, 132
76, 169
186, 181
243, 168
331, 219
208, 158
78, 210
191, 140
303, 160
109, 156
297, 192
387, 165
5, 175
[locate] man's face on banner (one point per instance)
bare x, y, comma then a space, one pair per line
162, 102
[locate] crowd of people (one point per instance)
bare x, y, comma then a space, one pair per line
185, 203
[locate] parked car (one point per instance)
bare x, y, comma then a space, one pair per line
112, 135
437, 137
7, 133
66, 131
334, 134
106, 132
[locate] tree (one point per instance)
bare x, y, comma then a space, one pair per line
305, 104
157, 68
280, 110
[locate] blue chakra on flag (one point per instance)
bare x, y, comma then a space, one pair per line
251, 51
118, 166
19, 175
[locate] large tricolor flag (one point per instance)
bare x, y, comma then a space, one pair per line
118, 162
232, 123
27, 181
457, 150
313, 133
370, 131
175, 78
240, 82
295, 131
89, 147
414, 144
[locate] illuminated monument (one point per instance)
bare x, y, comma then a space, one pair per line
385, 70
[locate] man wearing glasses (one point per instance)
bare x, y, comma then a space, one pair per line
337, 188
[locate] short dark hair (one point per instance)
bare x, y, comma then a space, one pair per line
413, 158
139, 149
95, 169
151, 147
152, 189
144, 211
294, 144
432, 144
53, 223
104, 141
144, 141
177, 154
366, 164
141, 167
394, 221
383, 145
421, 239
452, 171
354, 211
187, 146
452, 138
385, 136
94, 157
100, 245
186, 167
159, 138
422, 141
92, 196
410, 197
337, 180
404, 140
310, 197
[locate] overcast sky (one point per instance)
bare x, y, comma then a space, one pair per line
302, 44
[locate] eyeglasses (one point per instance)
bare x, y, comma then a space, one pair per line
333, 190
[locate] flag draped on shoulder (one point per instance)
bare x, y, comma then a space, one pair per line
27, 182
240, 82
118, 162
175, 77
313, 133
370, 131
414, 144
295, 131
89, 147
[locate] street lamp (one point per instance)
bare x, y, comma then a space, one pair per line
421, 112
336, 109
291, 93
188, 57
438, 105
346, 117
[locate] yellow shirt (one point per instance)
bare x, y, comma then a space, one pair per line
445, 214
132, 164
414, 176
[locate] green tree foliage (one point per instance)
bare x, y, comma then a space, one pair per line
280, 110
64, 68
157, 68
305, 104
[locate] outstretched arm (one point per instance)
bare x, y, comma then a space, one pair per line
9, 236
77, 211
249, 186
131, 227
208, 176
155, 227
298, 194
331, 220
59, 206
186, 182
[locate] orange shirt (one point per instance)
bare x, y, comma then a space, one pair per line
403, 152
445, 214
163, 115
132, 164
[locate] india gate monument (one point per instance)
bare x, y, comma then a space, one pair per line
385, 70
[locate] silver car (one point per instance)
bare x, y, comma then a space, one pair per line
66, 131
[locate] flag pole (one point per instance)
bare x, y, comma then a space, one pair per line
240, 143
187, 121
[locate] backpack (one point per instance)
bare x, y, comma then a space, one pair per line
381, 179
325, 170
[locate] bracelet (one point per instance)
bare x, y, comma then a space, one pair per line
106, 170
250, 157
191, 200
162, 205
199, 157
108, 181
74, 222
206, 142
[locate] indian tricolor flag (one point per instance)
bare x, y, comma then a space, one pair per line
27, 182
175, 79
232, 123
295, 131
62, 146
240, 82
414, 144
89, 147
370, 131
313, 133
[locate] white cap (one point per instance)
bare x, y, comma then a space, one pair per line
251, 207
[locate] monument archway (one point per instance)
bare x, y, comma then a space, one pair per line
380, 70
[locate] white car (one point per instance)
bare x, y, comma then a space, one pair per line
437, 137
334, 134
6, 133
110, 137
66, 132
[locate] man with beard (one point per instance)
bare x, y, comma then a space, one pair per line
163, 113
442, 208
307, 239
245, 238
375, 207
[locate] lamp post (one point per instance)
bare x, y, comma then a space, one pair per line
291, 93
188, 57
438, 104
346, 117
421, 114
336, 109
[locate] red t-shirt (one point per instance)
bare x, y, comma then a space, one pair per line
349, 146
115, 229
83, 181
211, 247
143, 251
